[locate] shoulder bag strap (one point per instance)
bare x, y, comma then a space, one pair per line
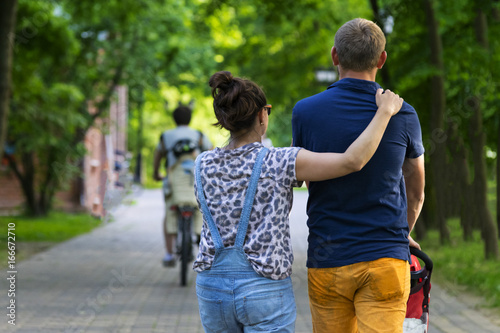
249, 198
247, 207
204, 207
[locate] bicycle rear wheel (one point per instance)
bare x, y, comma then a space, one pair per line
185, 250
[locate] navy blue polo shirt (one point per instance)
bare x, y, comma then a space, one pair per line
361, 216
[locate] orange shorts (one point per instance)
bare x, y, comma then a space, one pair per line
363, 297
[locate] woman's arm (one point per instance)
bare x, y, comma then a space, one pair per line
322, 166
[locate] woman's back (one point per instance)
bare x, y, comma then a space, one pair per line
225, 177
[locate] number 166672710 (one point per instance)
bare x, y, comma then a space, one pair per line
11, 246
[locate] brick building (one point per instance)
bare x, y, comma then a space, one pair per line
104, 163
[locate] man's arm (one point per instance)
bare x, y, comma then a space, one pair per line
159, 153
156, 165
414, 173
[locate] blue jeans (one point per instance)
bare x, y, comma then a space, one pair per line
233, 298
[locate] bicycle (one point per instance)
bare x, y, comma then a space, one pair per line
185, 238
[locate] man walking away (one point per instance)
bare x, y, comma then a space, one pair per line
360, 224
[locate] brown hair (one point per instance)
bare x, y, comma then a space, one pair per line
237, 101
359, 44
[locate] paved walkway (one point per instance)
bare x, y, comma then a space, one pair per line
111, 281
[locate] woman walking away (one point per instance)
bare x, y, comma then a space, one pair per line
245, 193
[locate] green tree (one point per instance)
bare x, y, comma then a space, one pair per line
279, 45
8, 10
74, 54
454, 93
43, 120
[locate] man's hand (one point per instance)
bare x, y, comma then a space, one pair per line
413, 243
157, 177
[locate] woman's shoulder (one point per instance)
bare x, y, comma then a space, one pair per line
248, 154
284, 152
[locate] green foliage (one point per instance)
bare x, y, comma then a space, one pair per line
469, 69
279, 44
69, 53
44, 117
43, 43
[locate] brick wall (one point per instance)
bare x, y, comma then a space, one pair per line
11, 196
99, 163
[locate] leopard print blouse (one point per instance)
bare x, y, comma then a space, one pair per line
225, 175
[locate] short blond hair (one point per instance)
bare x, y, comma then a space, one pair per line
359, 44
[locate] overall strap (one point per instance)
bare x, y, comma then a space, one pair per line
249, 198
247, 207
204, 207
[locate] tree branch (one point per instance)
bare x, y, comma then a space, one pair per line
104, 103
15, 169
47, 188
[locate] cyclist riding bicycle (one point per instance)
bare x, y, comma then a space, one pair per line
179, 147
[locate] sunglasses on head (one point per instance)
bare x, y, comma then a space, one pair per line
268, 108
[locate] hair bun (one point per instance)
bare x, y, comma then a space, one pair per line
237, 101
221, 80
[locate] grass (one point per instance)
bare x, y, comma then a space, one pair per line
56, 227
462, 263
33, 235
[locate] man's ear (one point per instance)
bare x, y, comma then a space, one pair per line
381, 60
335, 56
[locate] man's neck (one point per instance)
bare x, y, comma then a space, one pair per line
368, 76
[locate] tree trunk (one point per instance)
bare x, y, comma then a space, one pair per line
34, 205
437, 102
480, 183
138, 160
496, 16
29, 184
480, 188
8, 9
47, 188
420, 229
429, 209
498, 178
27, 181
465, 201
453, 184
384, 72
495, 13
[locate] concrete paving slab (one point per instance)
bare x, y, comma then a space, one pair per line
111, 280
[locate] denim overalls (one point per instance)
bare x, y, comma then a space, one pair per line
232, 297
